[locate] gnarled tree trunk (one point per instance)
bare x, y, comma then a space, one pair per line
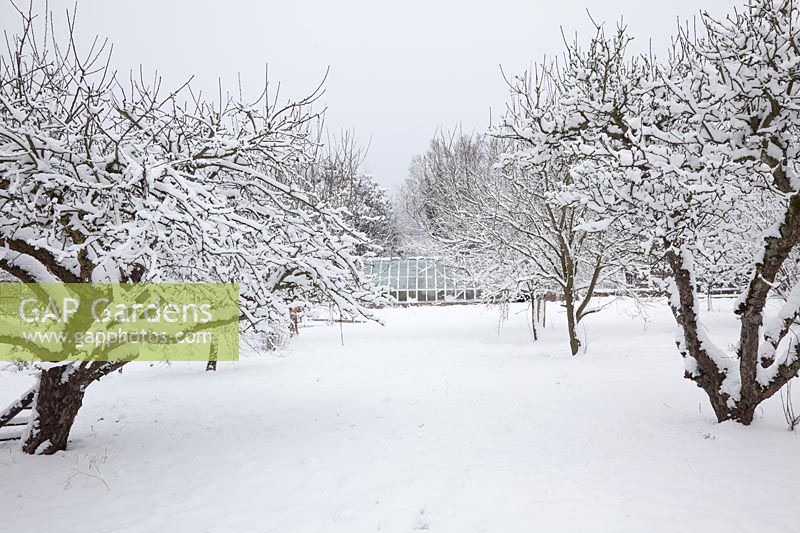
57, 399
757, 344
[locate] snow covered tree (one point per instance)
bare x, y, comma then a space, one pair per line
491, 205
105, 181
675, 152
337, 176
722, 258
576, 251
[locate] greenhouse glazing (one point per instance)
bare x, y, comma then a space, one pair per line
422, 280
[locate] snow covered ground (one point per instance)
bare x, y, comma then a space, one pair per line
436, 421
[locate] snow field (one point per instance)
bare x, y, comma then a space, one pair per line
441, 420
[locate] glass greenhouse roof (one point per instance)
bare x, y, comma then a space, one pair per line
421, 279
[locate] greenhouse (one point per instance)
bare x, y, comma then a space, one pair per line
422, 280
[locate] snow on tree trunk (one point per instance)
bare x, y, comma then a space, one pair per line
534, 331
58, 397
700, 364
569, 303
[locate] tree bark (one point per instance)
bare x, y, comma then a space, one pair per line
569, 303
707, 375
58, 398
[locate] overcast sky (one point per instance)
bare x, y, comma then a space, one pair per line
398, 70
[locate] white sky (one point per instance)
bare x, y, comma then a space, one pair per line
399, 70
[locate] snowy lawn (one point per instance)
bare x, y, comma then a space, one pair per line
436, 421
